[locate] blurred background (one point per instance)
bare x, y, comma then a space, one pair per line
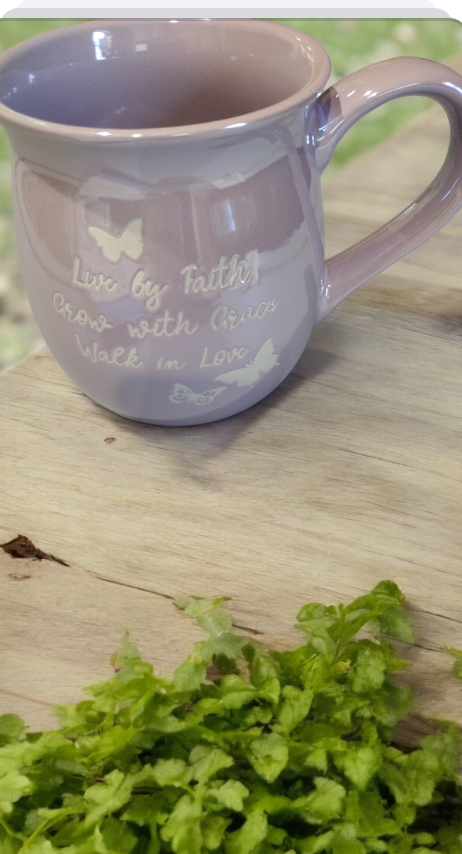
351, 44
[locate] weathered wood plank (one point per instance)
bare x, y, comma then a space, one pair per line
349, 473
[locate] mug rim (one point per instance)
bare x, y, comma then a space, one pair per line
236, 124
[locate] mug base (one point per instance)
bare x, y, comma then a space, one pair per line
235, 408
192, 421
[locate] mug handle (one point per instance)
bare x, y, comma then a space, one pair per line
331, 116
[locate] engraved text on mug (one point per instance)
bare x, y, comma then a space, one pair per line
228, 318
80, 315
92, 281
123, 357
225, 275
168, 326
223, 356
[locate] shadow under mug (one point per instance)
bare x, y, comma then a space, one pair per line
168, 211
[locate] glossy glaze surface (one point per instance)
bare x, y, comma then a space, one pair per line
168, 206
153, 76
140, 287
175, 274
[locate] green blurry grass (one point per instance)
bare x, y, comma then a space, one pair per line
354, 43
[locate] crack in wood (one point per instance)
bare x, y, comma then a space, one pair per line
133, 586
248, 629
8, 693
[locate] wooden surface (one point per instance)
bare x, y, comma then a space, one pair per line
349, 473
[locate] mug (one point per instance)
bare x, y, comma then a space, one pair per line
166, 181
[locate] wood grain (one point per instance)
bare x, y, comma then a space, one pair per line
348, 473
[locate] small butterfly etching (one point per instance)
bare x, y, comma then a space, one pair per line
265, 359
129, 243
183, 394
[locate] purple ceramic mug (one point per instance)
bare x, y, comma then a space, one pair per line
168, 208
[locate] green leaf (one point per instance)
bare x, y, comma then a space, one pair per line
317, 758
268, 755
235, 692
144, 809
263, 668
207, 613
42, 846
190, 674
368, 673
316, 620
322, 805
457, 669
165, 772
397, 784
248, 837
317, 844
294, 708
348, 846
213, 829
127, 663
8, 844
457, 666
367, 811
445, 749
108, 797
115, 837
206, 762
359, 763
182, 828
395, 623
108, 743
230, 795
13, 786
389, 611
12, 729
393, 704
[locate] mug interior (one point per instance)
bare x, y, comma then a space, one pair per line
156, 74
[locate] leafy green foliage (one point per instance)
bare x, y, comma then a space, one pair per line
242, 750
457, 666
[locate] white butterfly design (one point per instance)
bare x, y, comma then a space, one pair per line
183, 394
265, 359
130, 242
